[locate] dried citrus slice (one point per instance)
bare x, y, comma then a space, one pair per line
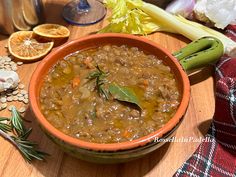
24, 45
52, 31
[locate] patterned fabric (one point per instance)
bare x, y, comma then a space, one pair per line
216, 156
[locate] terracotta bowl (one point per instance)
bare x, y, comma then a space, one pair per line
116, 152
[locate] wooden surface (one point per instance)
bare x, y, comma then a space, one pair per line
161, 163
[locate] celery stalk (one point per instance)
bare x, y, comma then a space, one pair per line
148, 18
189, 29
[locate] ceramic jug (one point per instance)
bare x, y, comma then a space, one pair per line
19, 15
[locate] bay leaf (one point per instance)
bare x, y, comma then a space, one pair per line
124, 93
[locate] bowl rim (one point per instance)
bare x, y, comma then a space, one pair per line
112, 146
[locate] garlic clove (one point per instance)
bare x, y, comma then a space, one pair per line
8, 80
181, 7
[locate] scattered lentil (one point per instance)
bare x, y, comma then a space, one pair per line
3, 99
21, 86
26, 101
7, 58
23, 92
15, 98
16, 94
19, 95
10, 98
19, 63
8, 94
3, 106
14, 68
22, 110
6, 63
20, 98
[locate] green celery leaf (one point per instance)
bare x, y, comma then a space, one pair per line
127, 18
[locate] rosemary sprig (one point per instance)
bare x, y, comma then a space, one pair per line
3, 126
99, 75
17, 122
28, 149
19, 136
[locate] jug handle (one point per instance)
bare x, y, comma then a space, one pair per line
200, 53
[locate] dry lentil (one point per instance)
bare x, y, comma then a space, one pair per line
19, 95
3, 100
15, 92
21, 86
3, 106
10, 98
6, 63
23, 92
14, 68
22, 109
7, 58
20, 98
26, 101
19, 63
15, 98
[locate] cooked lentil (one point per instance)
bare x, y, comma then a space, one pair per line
70, 100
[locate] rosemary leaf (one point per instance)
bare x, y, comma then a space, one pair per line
29, 149
26, 134
24, 154
4, 119
5, 127
99, 75
93, 75
104, 92
17, 122
37, 155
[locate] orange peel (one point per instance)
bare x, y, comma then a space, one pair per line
53, 31
24, 45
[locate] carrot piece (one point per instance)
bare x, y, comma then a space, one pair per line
145, 83
75, 82
126, 134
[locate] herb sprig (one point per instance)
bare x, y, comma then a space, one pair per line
15, 132
99, 76
3, 126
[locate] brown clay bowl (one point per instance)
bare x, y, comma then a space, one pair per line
116, 152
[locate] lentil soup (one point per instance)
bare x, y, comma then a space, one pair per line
109, 94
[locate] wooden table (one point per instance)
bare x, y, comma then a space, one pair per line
161, 163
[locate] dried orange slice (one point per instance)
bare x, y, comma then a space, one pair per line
53, 31
24, 45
